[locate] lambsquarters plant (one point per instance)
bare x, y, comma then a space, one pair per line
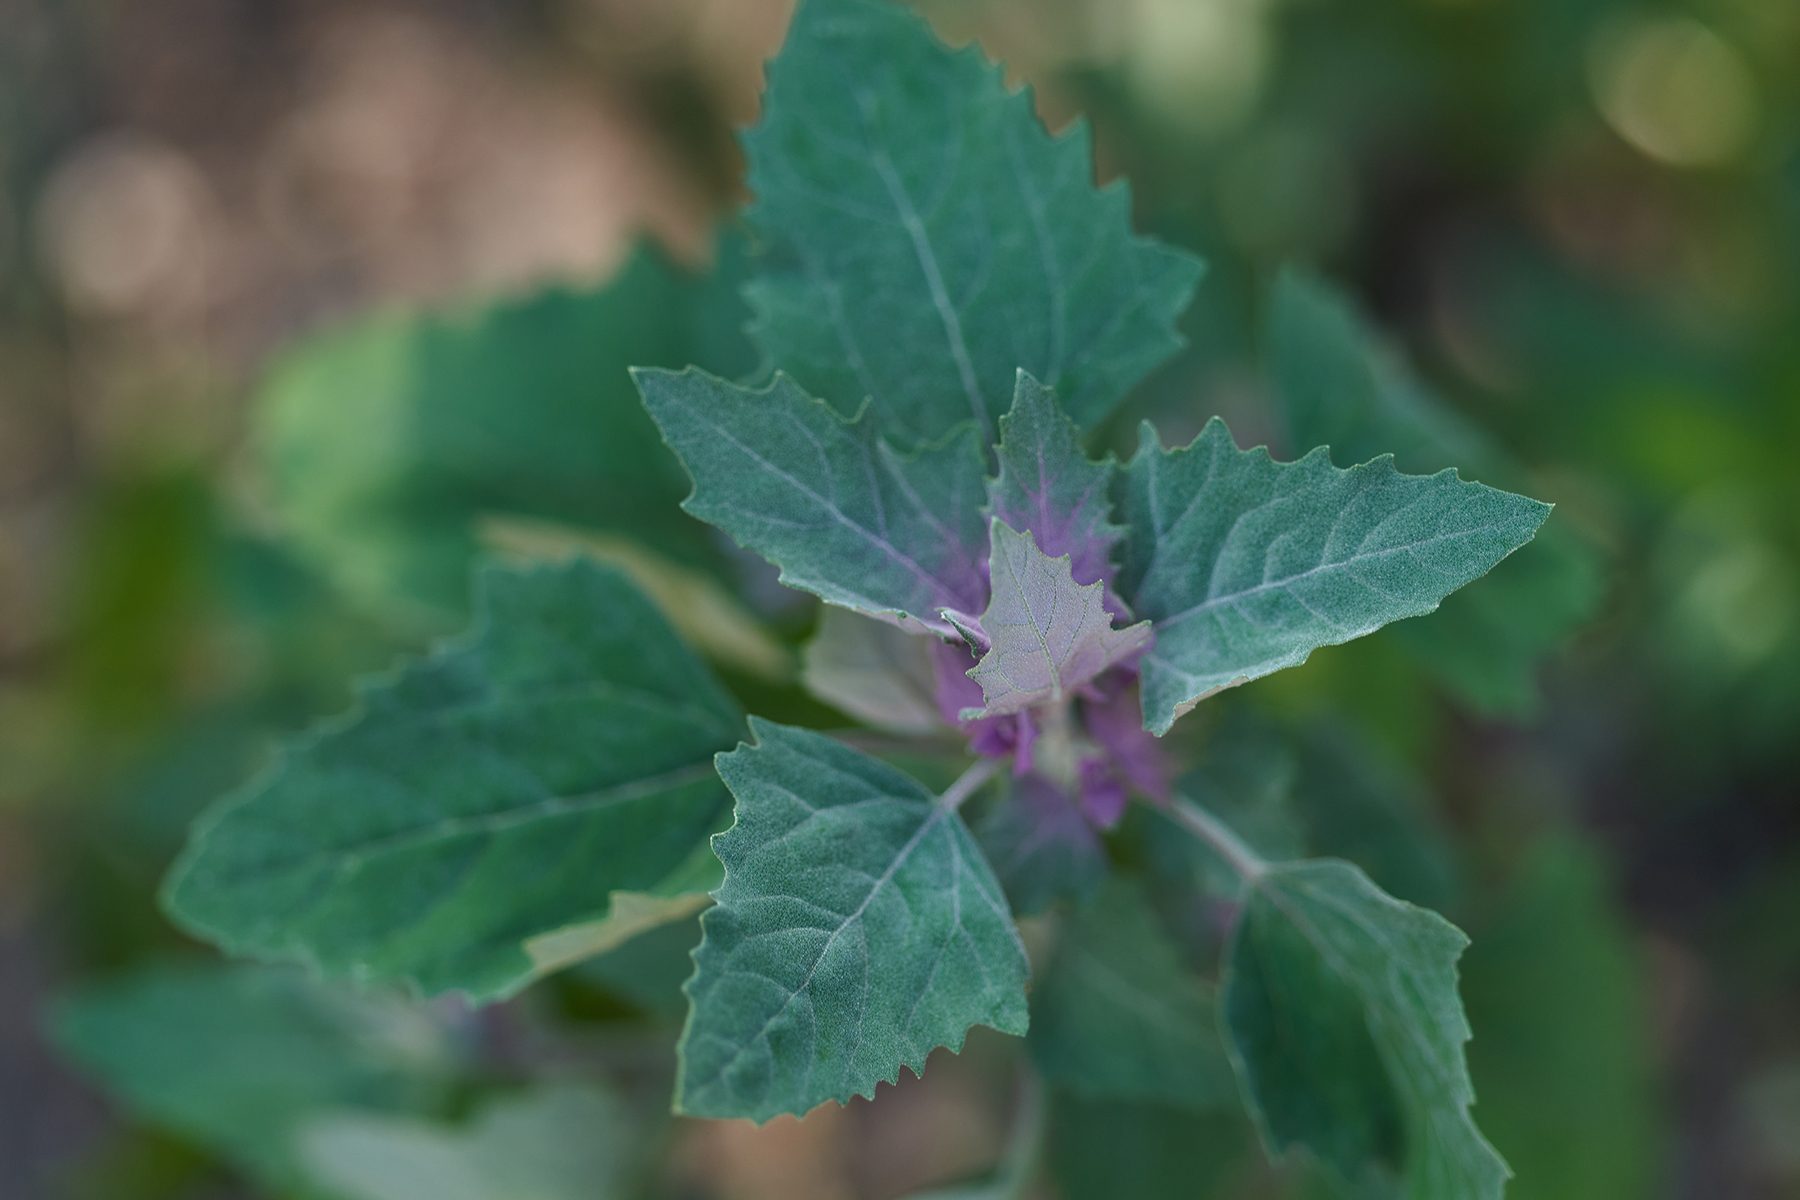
946, 306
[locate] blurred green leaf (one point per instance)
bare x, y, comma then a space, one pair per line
1106, 1149
1344, 1023
559, 1142
501, 789
236, 1058
383, 444
1119, 1016
926, 238
1562, 1057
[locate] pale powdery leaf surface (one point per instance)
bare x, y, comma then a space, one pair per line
504, 787
857, 930
874, 672
925, 237
840, 511
1344, 1024
1046, 634
1247, 565
563, 1141
1048, 487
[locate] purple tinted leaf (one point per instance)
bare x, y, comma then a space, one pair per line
1048, 487
1047, 635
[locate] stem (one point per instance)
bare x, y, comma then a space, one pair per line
1228, 845
1026, 1142
968, 783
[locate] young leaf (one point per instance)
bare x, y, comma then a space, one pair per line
1340, 385
926, 238
1343, 1022
1046, 635
236, 1058
858, 929
1119, 1016
562, 1142
504, 787
1047, 487
1247, 565
384, 443
843, 514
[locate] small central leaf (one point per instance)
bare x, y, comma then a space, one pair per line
1047, 635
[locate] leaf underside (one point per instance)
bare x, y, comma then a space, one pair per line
500, 789
1247, 565
857, 930
1344, 1023
926, 237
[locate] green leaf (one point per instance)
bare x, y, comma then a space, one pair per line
858, 929
1048, 487
1107, 1149
926, 238
383, 444
844, 515
1119, 1016
1340, 385
1343, 1022
1046, 635
561, 1142
1566, 1059
1247, 565
500, 789
235, 1058
874, 672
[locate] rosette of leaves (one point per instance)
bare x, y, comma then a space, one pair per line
948, 306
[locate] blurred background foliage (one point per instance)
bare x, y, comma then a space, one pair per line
303, 303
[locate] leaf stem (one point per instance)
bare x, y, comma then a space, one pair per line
1025, 1144
1228, 845
968, 783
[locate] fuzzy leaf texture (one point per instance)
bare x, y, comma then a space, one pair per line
1119, 1016
1342, 1018
1247, 565
926, 238
1046, 486
840, 511
857, 930
1046, 634
502, 788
